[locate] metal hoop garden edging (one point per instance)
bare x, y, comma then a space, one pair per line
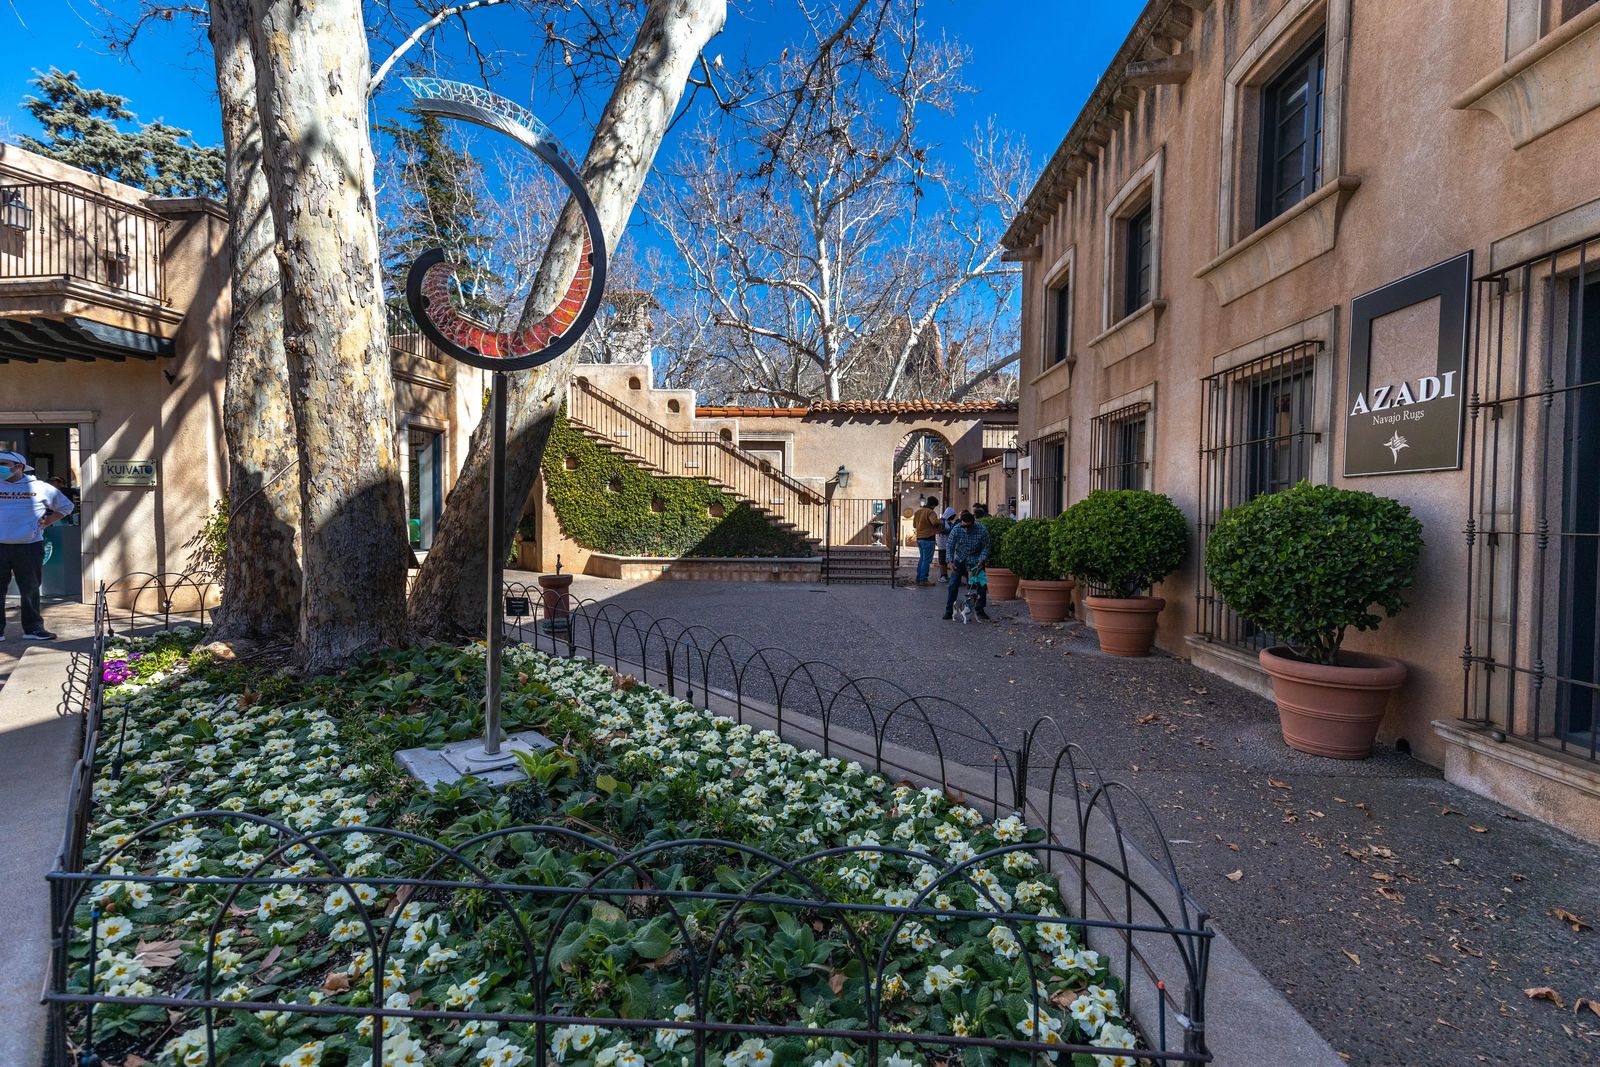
1129, 899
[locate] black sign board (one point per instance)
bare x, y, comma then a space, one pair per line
1404, 423
517, 606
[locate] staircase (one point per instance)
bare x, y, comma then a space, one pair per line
616, 427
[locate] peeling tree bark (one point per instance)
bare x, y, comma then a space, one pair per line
261, 584
311, 76
448, 598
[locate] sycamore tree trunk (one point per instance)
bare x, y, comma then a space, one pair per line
311, 77
261, 583
448, 600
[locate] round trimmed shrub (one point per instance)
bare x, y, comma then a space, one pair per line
1310, 562
1027, 551
998, 526
1120, 542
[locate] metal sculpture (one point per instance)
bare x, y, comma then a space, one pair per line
474, 343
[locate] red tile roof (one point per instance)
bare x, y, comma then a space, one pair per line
703, 412
865, 407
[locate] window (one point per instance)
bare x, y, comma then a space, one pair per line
1052, 477
1058, 337
1290, 160
1120, 449
1137, 259
1566, 10
1533, 577
1259, 436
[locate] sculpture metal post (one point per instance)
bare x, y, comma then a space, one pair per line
428, 294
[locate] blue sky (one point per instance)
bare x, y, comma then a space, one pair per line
1033, 62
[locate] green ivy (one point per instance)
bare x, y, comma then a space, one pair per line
1120, 541
1309, 562
605, 503
999, 526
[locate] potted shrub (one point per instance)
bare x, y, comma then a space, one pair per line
1002, 580
1307, 565
1118, 543
1028, 551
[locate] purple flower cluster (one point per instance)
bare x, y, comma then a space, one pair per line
117, 671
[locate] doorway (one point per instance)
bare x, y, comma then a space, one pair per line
49, 451
425, 487
1578, 700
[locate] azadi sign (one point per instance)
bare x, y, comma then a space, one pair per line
1406, 395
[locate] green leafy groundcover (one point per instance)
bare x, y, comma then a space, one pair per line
634, 767
607, 504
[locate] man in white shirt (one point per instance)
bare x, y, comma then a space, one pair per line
27, 506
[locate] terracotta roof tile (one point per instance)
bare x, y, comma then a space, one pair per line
912, 407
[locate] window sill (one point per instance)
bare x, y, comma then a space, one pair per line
1133, 333
1547, 85
1055, 370
1291, 240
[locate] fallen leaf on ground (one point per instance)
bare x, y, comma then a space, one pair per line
1578, 925
1518, 877
1448, 811
1584, 1002
1379, 850
836, 983
1234, 876
1233, 846
158, 953
1446, 1022
1355, 959
272, 957
337, 982
1544, 992
1391, 894
1379, 876
1145, 720
1274, 783
1475, 828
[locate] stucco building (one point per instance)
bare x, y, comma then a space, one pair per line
114, 318
1330, 240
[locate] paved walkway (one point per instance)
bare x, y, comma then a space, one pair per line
38, 746
1402, 916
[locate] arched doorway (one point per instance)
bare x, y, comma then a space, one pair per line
921, 470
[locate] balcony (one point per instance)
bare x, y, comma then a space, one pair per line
61, 240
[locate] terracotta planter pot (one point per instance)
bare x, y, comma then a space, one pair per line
1332, 711
1002, 584
1126, 626
1047, 601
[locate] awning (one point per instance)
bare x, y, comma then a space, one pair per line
76, 338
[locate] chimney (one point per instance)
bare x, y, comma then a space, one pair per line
633, 328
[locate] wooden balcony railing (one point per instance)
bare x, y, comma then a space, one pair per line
74, 234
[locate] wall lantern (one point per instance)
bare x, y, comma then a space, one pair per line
962, 481
18, 215
842, 476
1008, 459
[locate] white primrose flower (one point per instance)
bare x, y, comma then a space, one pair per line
114, 928
307, 1055
838, 1059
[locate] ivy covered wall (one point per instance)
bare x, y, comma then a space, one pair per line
606, 504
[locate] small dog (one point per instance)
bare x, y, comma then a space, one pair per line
967, 606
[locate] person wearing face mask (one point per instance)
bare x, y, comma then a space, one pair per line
27, 506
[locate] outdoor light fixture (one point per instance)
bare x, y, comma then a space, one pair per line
842, 476
1008, 459
18, 215
962, 481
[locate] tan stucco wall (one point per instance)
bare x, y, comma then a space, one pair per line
1433, 182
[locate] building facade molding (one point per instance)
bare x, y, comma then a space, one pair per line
1546, 85
1132, 334
1293, 239
1546, 237
1147, 181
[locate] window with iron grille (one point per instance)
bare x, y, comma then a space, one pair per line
1050, 473
1532, 648
1137, 259
1291, 134
1119, 442
1259, 435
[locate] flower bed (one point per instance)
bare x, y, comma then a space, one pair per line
636, 773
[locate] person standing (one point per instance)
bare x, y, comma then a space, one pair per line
925, 525
969, 554
27, 506
942, 538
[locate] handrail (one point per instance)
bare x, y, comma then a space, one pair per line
77, 233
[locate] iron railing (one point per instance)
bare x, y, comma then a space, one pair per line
860, 542
1532, 648
1259, 435
788, 502
78, 235
1119, 448
1130, 904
